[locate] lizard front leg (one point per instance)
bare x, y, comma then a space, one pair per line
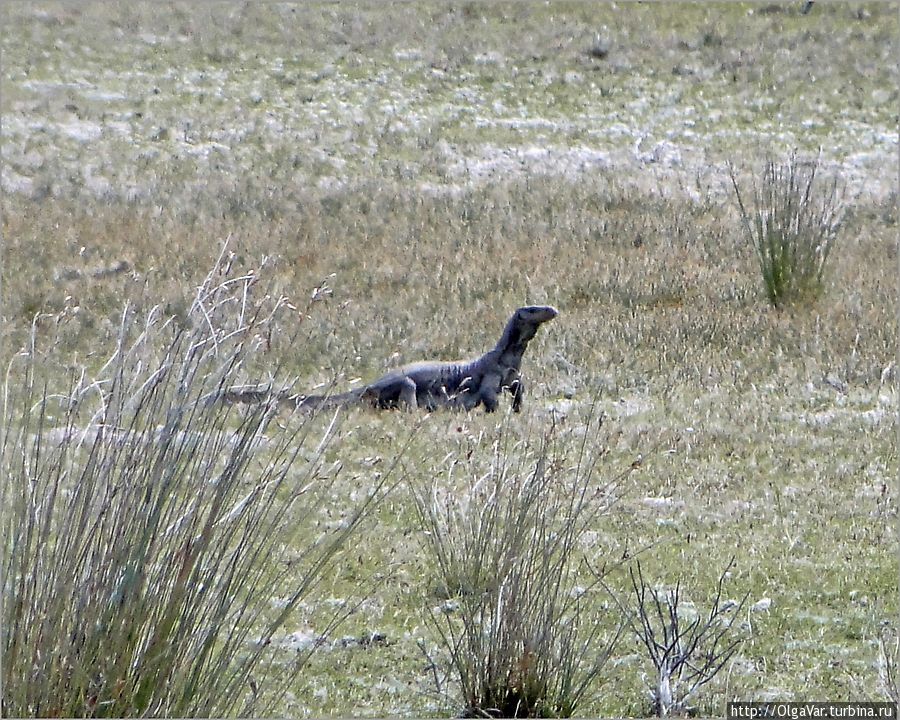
488, 391
513, 383
489, 398
467, 394
517, 388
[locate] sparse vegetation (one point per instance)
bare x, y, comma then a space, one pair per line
504, 531
146, 532
686, 646
792, 219
889, 664
402, 177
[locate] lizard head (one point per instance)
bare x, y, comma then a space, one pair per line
526, 320
536, 314
522, 326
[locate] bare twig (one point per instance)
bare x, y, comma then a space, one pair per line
685, 654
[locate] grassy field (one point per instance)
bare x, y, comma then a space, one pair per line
408, 174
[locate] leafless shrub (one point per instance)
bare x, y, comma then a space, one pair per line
889, 663
686, 652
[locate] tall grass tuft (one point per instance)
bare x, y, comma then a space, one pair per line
143, 523
791, 218
505, 541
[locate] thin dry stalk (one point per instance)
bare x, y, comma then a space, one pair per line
142, 531
519, 635
685, 653
889, 663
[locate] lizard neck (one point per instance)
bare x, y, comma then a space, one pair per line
512, 343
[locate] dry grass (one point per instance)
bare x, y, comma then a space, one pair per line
143, 533
504, 530
407, 178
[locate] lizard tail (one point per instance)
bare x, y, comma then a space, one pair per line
314, 402
252, 395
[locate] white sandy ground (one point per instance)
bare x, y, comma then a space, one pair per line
238, 120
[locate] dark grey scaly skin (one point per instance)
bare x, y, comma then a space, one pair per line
432, 385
